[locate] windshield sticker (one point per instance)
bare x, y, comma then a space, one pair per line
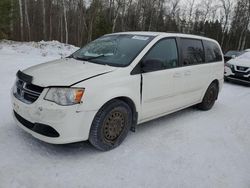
140, 37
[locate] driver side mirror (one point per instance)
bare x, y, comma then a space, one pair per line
151, 65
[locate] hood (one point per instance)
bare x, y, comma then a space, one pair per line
240, 62
65, 72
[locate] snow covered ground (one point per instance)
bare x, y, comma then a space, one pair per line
190, 148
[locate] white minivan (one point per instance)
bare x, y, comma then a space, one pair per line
119, 80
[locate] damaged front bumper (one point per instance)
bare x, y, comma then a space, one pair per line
51, 122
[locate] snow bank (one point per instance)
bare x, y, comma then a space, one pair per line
42, 48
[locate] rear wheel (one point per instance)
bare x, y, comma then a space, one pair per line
209, 97
111, 125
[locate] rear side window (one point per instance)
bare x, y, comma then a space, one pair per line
212, 51
192, 52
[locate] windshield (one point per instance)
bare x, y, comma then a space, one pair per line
231, 53
115, 50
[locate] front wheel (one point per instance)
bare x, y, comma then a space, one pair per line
209, 97
111, 125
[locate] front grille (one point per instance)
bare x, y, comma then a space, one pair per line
240, 68
27, 92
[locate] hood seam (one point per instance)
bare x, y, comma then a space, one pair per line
89, 78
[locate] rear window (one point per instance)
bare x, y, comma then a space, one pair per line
193, 52
212, 51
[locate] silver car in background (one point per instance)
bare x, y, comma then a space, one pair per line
238, 69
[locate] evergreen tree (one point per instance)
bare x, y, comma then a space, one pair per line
5, 18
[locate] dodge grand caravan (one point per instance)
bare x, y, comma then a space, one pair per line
119, 80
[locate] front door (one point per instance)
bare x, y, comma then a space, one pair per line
159, 87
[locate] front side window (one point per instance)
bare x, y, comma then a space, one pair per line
193, 52
212, 51
114, 50
164, 51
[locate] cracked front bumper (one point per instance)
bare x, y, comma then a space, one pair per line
70, 124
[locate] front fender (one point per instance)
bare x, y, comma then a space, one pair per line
102, 89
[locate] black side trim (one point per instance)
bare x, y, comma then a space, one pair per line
39, 128
89, 78
24, 77
141, 88
135, 117
137, 69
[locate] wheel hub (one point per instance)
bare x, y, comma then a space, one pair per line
113, 126
210, 96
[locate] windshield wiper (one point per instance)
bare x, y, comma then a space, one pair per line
96, 57
88, 58
80, 58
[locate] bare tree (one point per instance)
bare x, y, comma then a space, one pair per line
152, 6
65, 23
44, 19
206, 7
172, 7
21, 18
50, 23
11, 17
124, 5
214, 13
93, 12
27, 18
227, 7
119, 4
244, 22
190, 8
111, 7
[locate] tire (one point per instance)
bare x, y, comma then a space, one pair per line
110, 125
209, 98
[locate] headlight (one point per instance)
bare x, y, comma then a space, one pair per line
65, 96
229, 65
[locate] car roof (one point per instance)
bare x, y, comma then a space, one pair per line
164, 34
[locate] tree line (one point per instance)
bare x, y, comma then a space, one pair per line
80, 21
